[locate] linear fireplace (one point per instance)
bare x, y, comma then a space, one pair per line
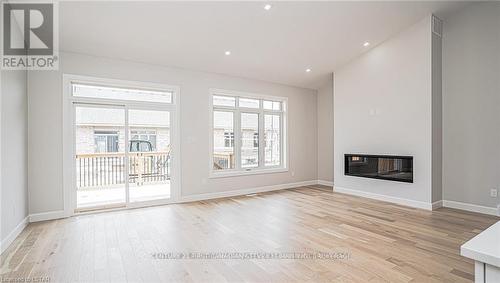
386, 167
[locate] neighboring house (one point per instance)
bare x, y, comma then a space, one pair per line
224, 139
100, 139
99, 131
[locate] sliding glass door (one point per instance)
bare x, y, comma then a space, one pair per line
100, 156
120, 144
149, 155
122, 156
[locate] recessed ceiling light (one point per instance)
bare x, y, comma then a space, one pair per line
227, 52
308, 70
366, 44
267, 7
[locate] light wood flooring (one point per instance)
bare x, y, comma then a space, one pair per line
385, 242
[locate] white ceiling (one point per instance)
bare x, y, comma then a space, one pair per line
275, 45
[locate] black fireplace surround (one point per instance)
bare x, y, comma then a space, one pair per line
386, 167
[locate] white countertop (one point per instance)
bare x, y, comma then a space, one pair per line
485, 247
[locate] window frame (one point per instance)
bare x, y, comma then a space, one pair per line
237, 110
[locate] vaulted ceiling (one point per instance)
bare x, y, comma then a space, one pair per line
275, 45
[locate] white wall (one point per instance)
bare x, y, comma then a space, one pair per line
45, 144
13, 154
382, 105
325, 132
471, 104
14, 131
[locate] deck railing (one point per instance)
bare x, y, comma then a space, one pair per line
107, 169
223, 160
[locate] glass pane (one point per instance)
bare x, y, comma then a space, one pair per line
149, 155
100, 157
272, 105
224, 101
145, 135
106, 141
95, 91
249, 132
249, 103
276, 105
380, 167
272, 137
223, 154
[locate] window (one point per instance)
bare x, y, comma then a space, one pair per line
272, 105
249, 103
256, 140
140, 146
223, 140
228, 139
106, 92
224, 101
106, 141
144, 135
247, 133
249, 150
272, 137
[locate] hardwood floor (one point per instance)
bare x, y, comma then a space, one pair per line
385, 242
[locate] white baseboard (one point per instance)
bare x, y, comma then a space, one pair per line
437, 204
471, 207
51, 215
423, 205
325, 183
401, 201
13, 235
207, 196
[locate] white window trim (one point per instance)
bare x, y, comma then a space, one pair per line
69, 192
238, 171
